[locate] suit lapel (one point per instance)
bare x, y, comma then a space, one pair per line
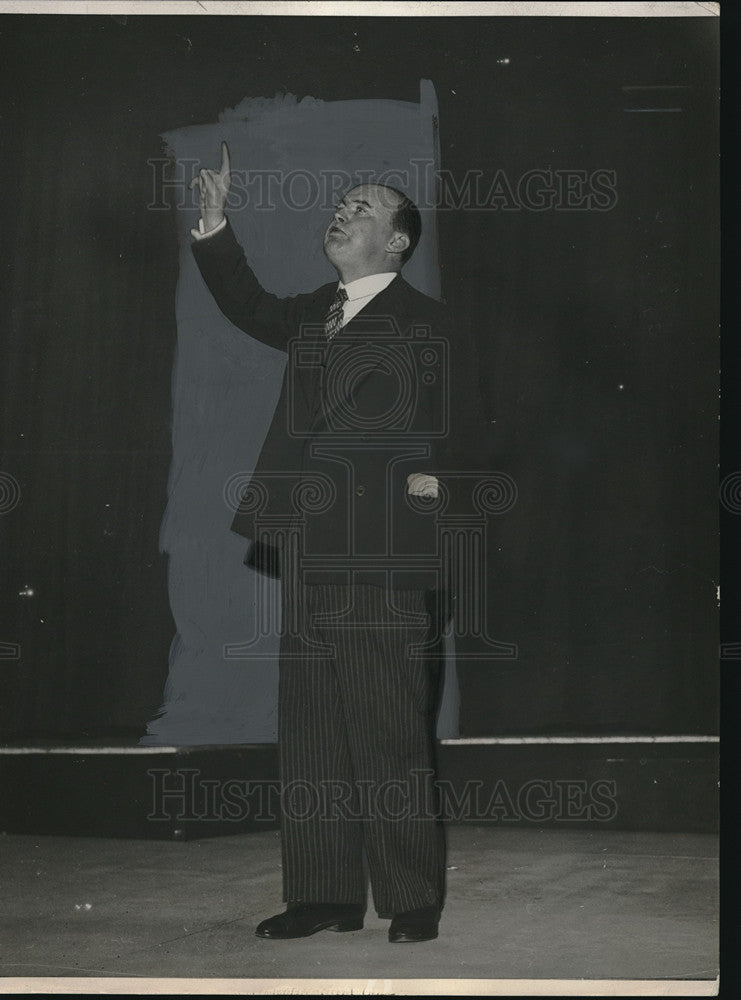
306, 376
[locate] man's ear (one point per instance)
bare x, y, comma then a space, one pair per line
398, 243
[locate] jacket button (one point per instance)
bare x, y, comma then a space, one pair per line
360, 490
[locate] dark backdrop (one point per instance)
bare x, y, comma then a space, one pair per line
604, 572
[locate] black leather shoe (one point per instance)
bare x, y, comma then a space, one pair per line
415, 925
308, 918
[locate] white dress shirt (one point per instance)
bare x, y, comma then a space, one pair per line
361, 291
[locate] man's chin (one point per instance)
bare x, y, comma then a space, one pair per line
332, 250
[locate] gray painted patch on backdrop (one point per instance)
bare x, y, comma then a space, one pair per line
226, 384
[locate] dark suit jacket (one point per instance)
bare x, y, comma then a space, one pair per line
355, 418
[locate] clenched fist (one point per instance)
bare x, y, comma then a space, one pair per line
213, 188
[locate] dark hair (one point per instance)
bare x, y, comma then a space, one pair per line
407, 220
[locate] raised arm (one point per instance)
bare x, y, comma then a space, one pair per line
224, 268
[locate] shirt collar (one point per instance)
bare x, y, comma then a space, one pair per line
371, 284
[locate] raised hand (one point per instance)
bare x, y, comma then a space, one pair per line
213, 188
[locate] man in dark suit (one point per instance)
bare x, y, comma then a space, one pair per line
341, 508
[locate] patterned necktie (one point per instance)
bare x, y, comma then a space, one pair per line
333, 322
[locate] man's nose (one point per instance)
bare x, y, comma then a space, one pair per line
339, 215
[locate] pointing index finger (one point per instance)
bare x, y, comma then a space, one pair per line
224, 159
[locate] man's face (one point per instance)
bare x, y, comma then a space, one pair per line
358, 238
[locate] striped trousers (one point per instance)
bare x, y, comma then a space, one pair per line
356, 709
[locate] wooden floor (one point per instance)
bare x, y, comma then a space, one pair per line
522, 904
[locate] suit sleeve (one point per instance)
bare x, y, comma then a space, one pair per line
240, 296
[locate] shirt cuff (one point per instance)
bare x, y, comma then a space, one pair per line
200, 234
